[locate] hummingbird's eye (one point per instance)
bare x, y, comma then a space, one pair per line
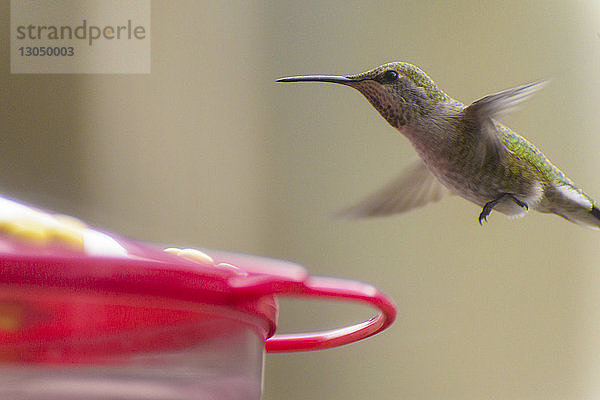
390, 76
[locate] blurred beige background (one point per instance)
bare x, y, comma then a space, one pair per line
209, 151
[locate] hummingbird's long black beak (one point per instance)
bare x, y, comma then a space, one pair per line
319, 78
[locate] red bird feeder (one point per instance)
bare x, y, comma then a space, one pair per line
89, 315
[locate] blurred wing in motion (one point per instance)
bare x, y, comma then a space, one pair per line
413, 188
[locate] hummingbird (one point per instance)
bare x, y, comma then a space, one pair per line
462, 150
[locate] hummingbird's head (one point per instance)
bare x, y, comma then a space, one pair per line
400, 91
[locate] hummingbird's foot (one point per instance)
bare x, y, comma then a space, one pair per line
487, 208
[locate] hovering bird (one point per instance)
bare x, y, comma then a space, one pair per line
462, 150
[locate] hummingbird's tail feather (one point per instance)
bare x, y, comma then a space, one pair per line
595, 211
575, 206
588, 218
413, 188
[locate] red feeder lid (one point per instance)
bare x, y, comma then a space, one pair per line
53, 267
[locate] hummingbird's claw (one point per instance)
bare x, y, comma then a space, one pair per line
487, 208
520, 203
